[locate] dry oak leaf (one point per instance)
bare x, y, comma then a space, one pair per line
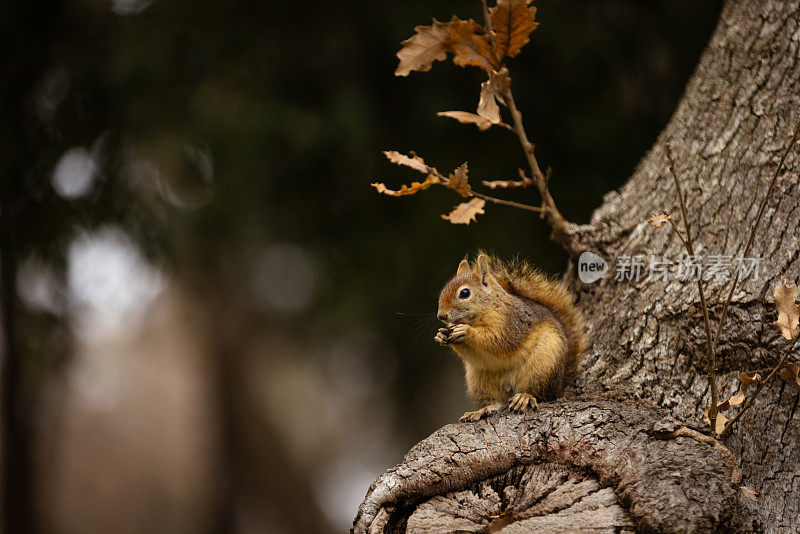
789, 371
657, 219
406, 189
510, 184
470, 45
493, 90
788, 311
737, 399
465, 117
719, 424
465, 212
512, 22
413, 161
458, 181
749, 492
423, 48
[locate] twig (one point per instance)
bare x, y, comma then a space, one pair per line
445, 181
548, 211
689, 245
527, 147
686, 245
761, 385
487, 19
488, 22
751, 238
511, 203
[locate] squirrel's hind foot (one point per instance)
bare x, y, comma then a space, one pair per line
521, 402
477, 415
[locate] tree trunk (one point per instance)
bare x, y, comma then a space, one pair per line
613, 463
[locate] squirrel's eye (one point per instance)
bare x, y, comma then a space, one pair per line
464, 294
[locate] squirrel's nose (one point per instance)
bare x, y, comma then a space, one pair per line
442, 317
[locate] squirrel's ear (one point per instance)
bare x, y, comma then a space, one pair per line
463, 267
490, 281
481, 265
483, 272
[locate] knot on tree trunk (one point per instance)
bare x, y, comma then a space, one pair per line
575, 465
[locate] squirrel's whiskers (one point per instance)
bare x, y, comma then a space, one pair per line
418, 326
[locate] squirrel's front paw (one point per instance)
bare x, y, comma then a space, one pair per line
442, 336
480, 414
458, 333
522, 401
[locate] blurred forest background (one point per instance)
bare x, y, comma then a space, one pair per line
211, 323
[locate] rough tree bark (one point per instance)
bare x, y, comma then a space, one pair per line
600, 462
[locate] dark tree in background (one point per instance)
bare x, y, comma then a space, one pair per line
200, 291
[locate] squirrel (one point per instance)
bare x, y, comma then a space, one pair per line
516, 330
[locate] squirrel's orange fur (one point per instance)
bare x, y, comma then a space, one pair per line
516, 330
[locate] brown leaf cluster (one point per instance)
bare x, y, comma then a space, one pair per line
458, 181
414, 162
469, 42
788, 311
465, 212
510, 24
745, 382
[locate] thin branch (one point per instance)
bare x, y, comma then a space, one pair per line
527, 147
560, 226
710, 348
688, 242
751, 238
487, 19
511, 203
524, 181
548, 210
686, 245
488, 24
761, 385
446, 181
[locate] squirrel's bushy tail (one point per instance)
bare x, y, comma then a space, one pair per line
526, 281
